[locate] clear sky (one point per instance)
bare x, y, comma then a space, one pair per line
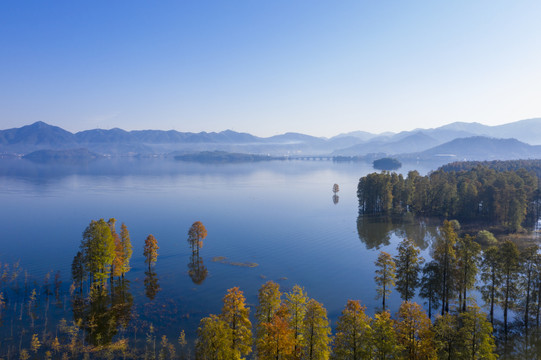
269, 66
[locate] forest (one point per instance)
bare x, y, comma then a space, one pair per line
530, 165
507, 199
291, 325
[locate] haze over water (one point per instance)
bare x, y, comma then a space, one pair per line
278, 214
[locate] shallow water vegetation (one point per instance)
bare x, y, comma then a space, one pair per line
104, 322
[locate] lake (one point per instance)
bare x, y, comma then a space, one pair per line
280, 215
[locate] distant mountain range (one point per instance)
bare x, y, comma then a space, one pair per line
472, 141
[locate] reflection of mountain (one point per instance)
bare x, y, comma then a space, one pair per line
376, 231
216, 157
102, 312
196, 269
335, 199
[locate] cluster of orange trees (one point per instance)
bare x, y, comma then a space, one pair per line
296, 327
105, 254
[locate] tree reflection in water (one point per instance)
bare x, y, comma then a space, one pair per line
103, 311
152, 285
196, 269
376, 231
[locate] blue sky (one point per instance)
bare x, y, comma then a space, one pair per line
268, 67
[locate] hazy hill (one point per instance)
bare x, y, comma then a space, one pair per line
481, 148
411, 143
51, 155
40, 136
361, 135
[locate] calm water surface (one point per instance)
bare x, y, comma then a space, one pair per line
280, 215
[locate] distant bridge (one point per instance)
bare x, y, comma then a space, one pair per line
312, 157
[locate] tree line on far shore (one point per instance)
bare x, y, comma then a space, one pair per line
509, 199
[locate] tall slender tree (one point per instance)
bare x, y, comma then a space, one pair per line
98, 248
150, 250
408, 265
445, 257
278, 342
117, 261
475, 334
508, 267
316, 332
414, 330
353, 333
447, 337
385, 276
468, 258
385, 343
270, 298
431, 286
78, 273
126, 249
296, 302
196, 234
237, 317
528, 265
490, 276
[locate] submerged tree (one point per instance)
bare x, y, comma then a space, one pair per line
529, 259
385, 276
117, 261
196, 234
508, 256
150, 250
408, 265
98, 249
491, 278
431, 286
468, 258
126, 251
78, 273
445, 257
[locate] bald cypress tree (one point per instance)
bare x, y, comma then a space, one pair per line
385, 276
98, 248
316, 332
408, 265
353, 333
150, 250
